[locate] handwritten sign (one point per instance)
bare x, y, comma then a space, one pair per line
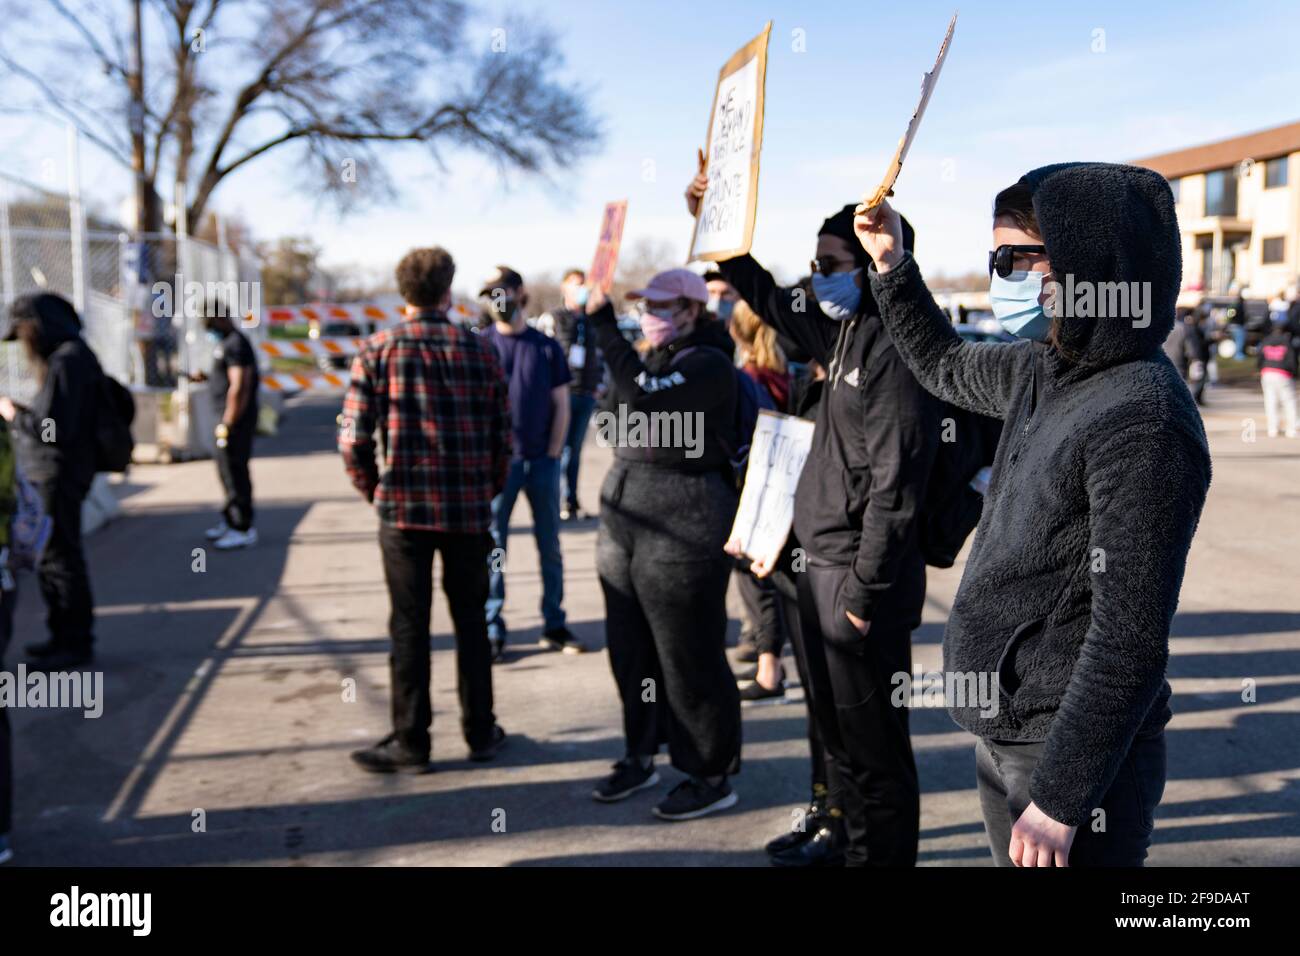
776, 458
886, 188
724, 226
603, 263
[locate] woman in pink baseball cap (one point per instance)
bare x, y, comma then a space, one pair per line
666, 509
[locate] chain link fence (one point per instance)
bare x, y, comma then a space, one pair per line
140, 297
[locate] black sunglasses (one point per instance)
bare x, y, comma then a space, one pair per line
1003, 258
829, 265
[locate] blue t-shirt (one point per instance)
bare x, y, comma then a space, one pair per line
533, 365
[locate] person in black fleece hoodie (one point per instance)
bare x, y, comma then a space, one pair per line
856, 512
1095, 494
665, 514
55, 440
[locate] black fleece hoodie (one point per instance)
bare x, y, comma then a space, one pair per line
858, 500
63, 456
1097, 487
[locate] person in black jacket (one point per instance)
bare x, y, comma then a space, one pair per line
856, 513
666, 509
570, 327
1096, 490
55, 439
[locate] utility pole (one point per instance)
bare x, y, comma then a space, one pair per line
135, 116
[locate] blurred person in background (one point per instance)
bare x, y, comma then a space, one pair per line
1278, 366
55, 441
537, 376
434, 392
570, 327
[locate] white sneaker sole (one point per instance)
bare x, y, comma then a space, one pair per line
235, 547
728, 801
649, 781
6, 856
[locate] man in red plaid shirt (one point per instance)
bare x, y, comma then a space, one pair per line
438, 400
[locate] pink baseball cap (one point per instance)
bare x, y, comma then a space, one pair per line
673, 284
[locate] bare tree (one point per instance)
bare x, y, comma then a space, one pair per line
200, 89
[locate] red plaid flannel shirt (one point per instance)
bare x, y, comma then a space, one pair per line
437, 396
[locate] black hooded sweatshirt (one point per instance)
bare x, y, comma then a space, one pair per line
877, 431
1096, 490
687, 376
63, 455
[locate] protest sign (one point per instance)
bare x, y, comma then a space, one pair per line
604, 262
886, 187
724, 225
776, 458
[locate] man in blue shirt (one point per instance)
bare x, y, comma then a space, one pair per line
537, 372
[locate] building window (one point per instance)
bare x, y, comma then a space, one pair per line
1274, 250
1174, 185
1275, 172
1221, 192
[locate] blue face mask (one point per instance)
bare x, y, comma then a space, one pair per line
580, 297
722, 308
1015, 303
838, 294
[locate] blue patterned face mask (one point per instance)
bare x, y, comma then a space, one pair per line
1015, 303
838, 294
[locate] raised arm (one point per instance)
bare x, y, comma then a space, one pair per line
975, 376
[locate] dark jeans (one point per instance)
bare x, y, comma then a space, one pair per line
62, 574
763, 608
408, 569
664, 576
539, 480
232, 465
865, 735
8, 599
580, 409
1119, 836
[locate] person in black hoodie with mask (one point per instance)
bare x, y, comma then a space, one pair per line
666, 509
856, 513
1096, 490
55, 440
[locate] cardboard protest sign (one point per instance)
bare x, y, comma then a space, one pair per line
604, 262
724, 226
886, 187
776, 458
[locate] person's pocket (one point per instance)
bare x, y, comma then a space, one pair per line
839, 630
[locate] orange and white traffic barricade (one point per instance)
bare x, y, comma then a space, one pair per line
329, 347
290, 383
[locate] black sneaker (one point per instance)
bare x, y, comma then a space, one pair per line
389, 756
746, 652
756, 693
814, 818
694, 797
746, 673
62, 660
824, 848
628, 777
497, 644
562, 639
571, 512
491, 748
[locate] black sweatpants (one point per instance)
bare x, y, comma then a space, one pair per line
865, 735
664, 576
408, 569
232, 466
62, 574
1118, 836
763, 608
8, 599
812, 676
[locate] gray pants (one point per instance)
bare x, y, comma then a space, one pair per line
1118, 836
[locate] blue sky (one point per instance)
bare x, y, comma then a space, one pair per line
1021, 87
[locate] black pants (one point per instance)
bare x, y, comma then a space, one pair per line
811, 666
664, 576
866, 737
408, 569
62, 574
232, 466
1118, 836
763, 607
7, 601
